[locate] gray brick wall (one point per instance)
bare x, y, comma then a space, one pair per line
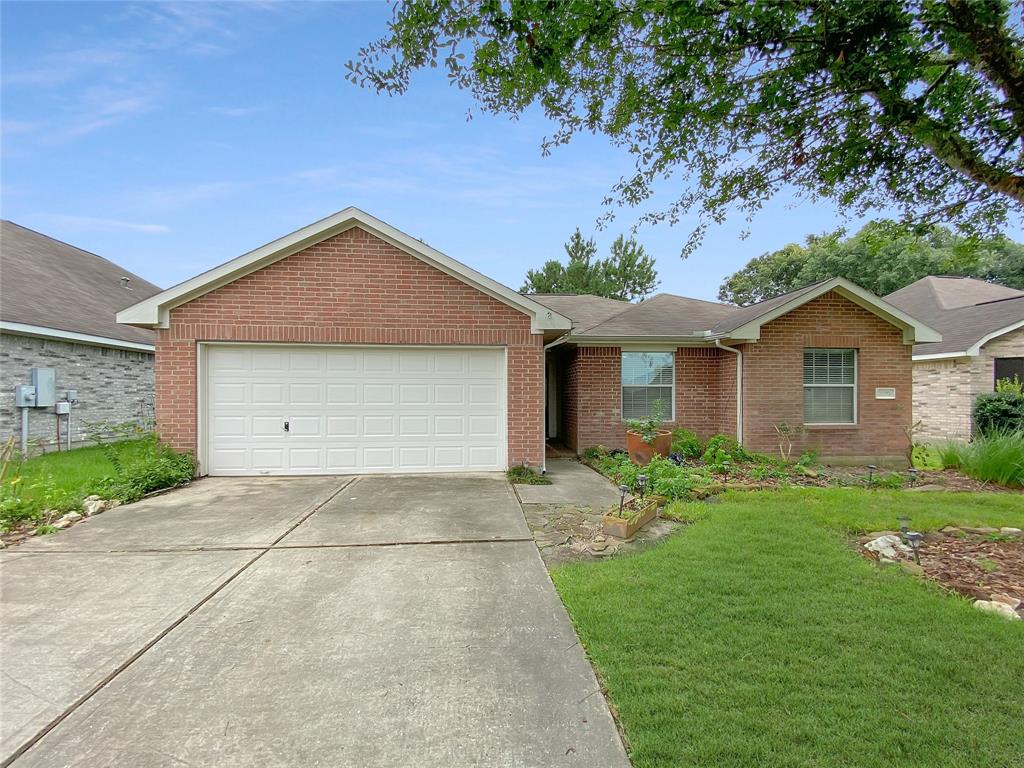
113, 385
945, 390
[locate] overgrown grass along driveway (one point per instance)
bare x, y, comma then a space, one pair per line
758, 636
76, 472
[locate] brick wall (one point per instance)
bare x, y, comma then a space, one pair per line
705, 395
773, 380
114, 385
945, 390
351, 288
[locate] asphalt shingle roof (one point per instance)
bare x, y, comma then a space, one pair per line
47, 283
962, 309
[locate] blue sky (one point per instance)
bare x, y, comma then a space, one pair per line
172, 137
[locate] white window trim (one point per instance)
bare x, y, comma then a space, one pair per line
672, 405
855, 385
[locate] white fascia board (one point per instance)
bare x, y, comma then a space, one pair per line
914, 331
155, 310
39, 331
940, 356
975, 349
639, 342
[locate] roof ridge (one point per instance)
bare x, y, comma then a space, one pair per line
629, 306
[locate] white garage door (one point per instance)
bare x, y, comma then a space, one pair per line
290, 409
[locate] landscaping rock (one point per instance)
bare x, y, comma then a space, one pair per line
62, 524
880, 534
73, 517
912, 568
598, 546
983, 531
992, 606
1011, 531
1005, 599
951, 530
807, 471
94, 505
888, 546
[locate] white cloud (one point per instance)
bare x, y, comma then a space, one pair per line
238, 111
95, 224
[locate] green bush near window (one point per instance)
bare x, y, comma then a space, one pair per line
999, 412
686, 444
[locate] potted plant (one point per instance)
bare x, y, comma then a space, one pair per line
632, 515
645, 438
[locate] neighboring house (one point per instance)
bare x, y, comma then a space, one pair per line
57, 310
982, 327
348, 346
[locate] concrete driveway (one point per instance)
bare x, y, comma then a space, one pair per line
377, 621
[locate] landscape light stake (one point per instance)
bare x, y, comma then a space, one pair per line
641, 484
871, 474
904, 525
913, 475
915, 541
623, 490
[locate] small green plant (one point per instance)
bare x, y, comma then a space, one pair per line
997, 457
787, 433
720, 448
46, 529
524, 475
1013, 385
686, 444
926, 457
893, 480
987, 564
649, 427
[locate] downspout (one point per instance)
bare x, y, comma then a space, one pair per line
544, 394
739, 386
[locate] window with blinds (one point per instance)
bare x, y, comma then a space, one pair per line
647, 377
830, 386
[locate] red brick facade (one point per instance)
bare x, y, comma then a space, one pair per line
773, 380
705, 385
353, 288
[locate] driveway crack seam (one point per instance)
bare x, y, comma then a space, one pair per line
162, 634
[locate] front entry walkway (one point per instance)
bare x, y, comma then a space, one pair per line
378, 621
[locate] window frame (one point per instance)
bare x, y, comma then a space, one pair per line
672, 404
995, 366
855, 386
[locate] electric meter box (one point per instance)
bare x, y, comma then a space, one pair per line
24, 396
45, 382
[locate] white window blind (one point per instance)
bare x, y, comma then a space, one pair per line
647, 377
830, 384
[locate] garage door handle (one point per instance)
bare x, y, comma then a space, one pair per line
286, 426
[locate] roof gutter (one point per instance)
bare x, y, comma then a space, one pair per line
739, 386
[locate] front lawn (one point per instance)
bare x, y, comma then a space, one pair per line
76, 472
759, 636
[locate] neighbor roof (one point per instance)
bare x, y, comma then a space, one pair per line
50, 288
966, 311
154, 311
678, 318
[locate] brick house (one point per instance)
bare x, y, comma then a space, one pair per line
57, 311
982, 327
348, 346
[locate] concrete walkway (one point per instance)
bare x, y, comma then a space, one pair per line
295, 622
571, 483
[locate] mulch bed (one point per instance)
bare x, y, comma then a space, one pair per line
977, 566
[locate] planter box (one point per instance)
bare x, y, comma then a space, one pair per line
622, 528
641, 453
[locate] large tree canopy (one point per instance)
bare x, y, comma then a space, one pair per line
882, 257
628, 272
913, 105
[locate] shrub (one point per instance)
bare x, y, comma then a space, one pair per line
1012, 385
999, 412
595, 452
720, 448
927, 457
686, 444
138, 472
524, 475
649, 427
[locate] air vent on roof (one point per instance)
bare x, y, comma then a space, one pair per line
126, 283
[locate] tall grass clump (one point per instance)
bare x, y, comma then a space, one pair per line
997, 457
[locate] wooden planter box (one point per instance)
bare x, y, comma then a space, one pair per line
641, 453
624, 528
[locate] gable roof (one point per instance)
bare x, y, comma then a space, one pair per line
968, 313
583, 309
667, 317
52, 289
155, 311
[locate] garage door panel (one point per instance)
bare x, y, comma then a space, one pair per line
353, 409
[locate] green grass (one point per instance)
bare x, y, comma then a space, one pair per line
995, 458
75, 472
523, 475
758, 636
